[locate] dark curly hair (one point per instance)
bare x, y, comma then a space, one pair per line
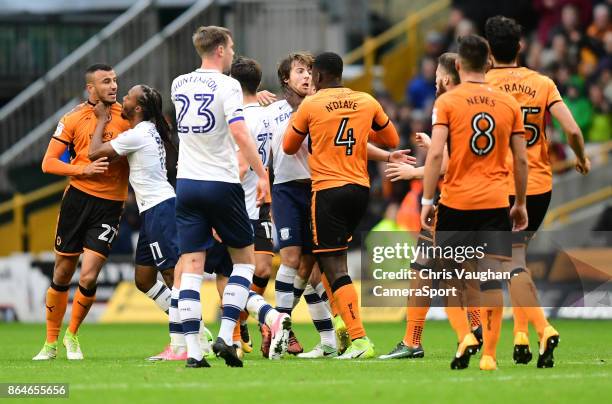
503, 35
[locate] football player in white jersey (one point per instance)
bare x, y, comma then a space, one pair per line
248, 73
157, 249
291, 198
210, 122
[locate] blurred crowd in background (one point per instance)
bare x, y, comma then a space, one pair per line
569, 41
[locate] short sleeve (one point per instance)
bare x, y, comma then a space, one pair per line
381, 120
299, 119
232, 105
128, 142
553, 94
64, 132
517, 125
439, 115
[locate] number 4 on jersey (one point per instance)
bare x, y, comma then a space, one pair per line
347, 142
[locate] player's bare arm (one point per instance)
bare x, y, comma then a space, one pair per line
401, 171
53, 165
518, 212
574, 135
243, 166
433, 168
245, 142
97, 147
396, 156
265, 98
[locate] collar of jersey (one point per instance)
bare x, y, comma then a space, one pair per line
200, 70
251, 104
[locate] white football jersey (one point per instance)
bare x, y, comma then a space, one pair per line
206, 102
286, 167
258, 122
146, 156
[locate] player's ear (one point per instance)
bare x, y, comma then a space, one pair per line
458, 65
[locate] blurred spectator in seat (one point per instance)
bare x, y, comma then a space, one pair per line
579, 105
557, 53
601, 22
601, 123
434, 44
455, 17
421, 90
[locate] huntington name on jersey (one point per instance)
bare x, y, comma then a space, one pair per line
286, 167
259, 123
206, 102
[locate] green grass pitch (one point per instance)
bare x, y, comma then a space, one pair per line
114, 369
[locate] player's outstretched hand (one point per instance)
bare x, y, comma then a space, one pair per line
427, 213
400, 171
102, 112
583, 167
96, 167
402, 156
265, 98
423, 140
262, 190
518, 215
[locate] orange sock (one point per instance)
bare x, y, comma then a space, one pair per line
80, 307
474, 315
521, 322
236, 336
330, 296
459, 321
348, 304
56, 303
491, 329
259, 285
415, 322
526, 306
258, 289
537, 318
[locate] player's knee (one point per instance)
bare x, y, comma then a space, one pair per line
88, 281
168, 277
291, 260
263, 269
61, 276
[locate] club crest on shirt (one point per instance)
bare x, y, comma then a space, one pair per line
285, 233
59, 129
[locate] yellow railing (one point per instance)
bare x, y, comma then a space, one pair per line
17, 206
408, 27
562, 213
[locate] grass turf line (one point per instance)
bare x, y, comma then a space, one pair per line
114, 369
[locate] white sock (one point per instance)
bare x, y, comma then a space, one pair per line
190, 311
235, 298
284, 288
320, 289
299, 284
260, 309
161, 295
177, 338
321, 316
